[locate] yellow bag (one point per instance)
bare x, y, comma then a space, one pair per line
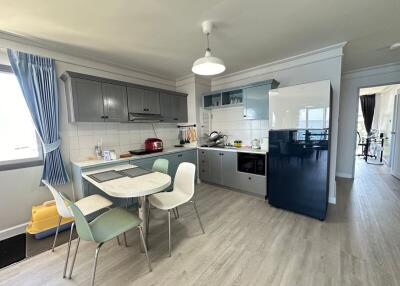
45, 218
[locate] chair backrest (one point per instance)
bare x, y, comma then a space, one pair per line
81, 224
161, 165
62, 208
184, 179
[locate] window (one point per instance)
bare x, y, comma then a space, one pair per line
314, 118
19, 145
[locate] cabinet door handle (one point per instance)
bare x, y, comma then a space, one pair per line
249, 178
104, 117
175, 118
244, 115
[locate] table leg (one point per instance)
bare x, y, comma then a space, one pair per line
143, 216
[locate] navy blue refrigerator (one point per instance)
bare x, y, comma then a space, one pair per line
299, 149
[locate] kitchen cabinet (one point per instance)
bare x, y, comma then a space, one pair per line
220, 167
114, 100
88, 100
253, 97
143, 101
97, 99
173, 107
217, 167
255, 100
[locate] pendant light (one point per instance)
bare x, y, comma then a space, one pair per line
208, 65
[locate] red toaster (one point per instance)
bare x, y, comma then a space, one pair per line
153, 145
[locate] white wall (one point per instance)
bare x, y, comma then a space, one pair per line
20, 188
351, 83
323, 64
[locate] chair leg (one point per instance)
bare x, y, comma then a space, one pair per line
68, 251
175, 215
177, 212
148, 222
145, 247
73, 260
55, 236
198, 217
119, 243
126, 243
95, 262
169, 232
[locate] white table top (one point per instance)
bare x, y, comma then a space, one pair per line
127, 187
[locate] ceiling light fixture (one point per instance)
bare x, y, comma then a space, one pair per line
208, 65
395, 46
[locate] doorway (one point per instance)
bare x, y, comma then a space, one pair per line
378, 127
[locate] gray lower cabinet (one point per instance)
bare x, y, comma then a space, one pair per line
143, 101
173, 107
220, 167
114, 97
87, 101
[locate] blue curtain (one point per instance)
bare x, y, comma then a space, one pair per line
37, 78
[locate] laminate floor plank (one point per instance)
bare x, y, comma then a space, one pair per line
248, 242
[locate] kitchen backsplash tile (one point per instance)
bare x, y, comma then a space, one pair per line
231, 122
79, 139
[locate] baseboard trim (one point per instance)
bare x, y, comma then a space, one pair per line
344, 175
12, 231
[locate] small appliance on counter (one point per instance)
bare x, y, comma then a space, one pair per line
255, 144
151, 145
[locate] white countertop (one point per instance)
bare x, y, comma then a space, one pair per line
234, 149
99, 163
127, 187
96, 163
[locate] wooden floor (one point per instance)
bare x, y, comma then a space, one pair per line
247, 242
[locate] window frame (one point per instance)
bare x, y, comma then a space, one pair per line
21, 163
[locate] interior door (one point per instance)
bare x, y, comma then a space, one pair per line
395, 153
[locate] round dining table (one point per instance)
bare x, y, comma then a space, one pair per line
131, 187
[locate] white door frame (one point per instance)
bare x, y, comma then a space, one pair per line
355, 141
395, 150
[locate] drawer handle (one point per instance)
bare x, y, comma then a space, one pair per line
249, 178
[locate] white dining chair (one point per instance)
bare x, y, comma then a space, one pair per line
182, 192
87, 205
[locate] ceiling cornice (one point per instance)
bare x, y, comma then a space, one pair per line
37, 46
370, 71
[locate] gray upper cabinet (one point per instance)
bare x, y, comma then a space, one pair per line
256, 102
254, 98
143, 101
182, 110
87, 101
173, 107
114, 98
96, 99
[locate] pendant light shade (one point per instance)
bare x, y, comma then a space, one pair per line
208, 65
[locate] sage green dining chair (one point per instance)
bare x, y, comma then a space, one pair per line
161, 165
104, 228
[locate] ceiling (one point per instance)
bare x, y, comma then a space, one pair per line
164, 37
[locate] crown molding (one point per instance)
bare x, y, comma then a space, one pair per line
371, 71
36, 46
322, 54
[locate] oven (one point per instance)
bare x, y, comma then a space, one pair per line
252, 163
